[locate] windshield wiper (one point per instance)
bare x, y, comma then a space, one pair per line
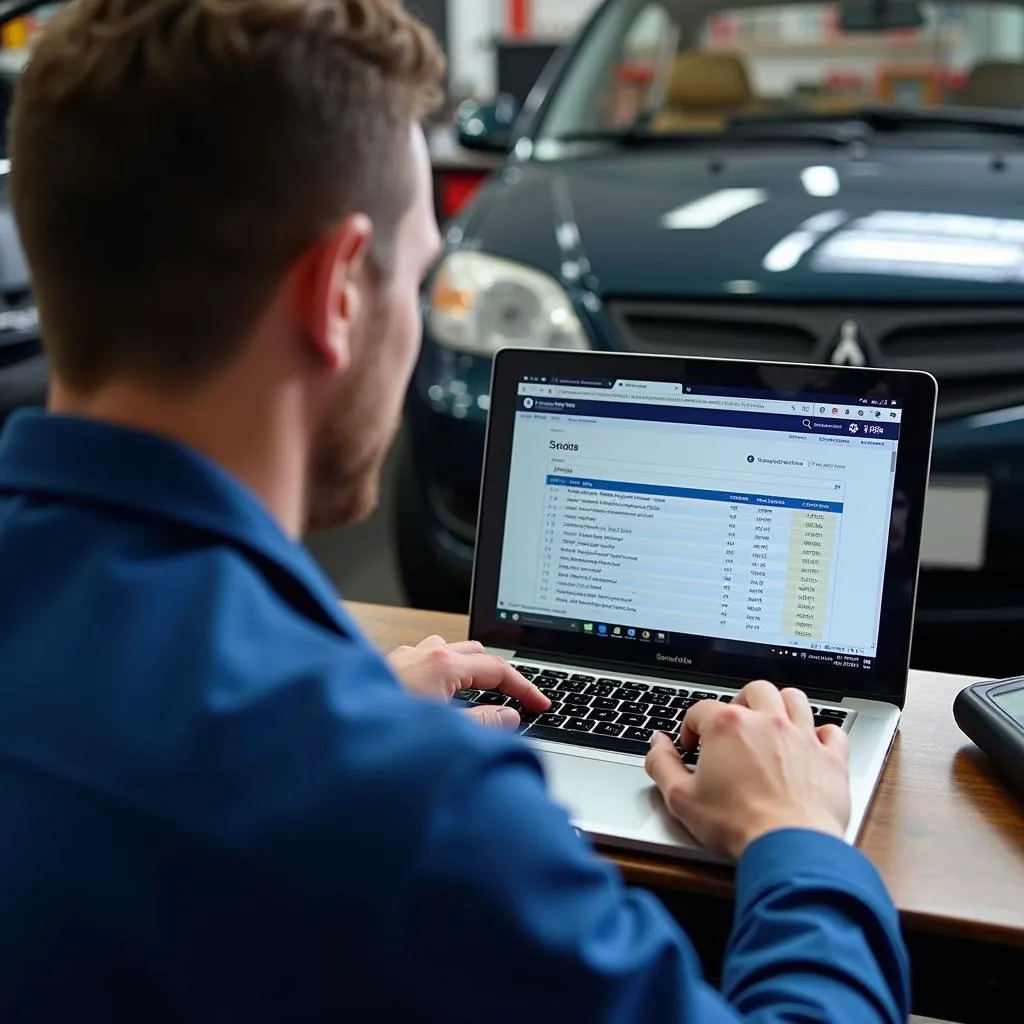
889, 119
751, 130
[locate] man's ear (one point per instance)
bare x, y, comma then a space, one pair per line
331, 289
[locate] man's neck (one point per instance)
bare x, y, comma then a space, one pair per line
252, 439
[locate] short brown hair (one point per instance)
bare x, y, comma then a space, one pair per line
172, 159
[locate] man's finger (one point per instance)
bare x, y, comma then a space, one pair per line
485, 672
496, 718
431, 642
833, 737
669, 774
798, 707
467, 647
761, 696
697, 721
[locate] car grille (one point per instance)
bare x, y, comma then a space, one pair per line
976, 353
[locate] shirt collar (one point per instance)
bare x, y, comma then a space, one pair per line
143, 475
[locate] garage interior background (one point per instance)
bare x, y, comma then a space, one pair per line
500, 46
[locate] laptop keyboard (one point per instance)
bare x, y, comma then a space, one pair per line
613, 714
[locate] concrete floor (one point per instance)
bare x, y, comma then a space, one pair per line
360, 559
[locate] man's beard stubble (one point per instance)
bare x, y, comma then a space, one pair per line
342, 490
346, 465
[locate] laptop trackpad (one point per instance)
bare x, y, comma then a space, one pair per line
595, 791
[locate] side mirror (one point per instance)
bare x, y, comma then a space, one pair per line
487, 127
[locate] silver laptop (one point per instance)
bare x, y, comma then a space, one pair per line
656, 531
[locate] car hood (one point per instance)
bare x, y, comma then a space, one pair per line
792, 222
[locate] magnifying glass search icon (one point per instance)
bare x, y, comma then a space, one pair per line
807, 424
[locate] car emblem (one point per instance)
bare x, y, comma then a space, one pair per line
847, 350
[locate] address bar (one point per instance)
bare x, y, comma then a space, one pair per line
686, 401
750, 405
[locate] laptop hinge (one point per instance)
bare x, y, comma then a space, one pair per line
680, 678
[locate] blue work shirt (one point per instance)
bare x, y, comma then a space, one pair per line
218, 805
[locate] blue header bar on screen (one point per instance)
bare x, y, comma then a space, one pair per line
730, 497
816, 425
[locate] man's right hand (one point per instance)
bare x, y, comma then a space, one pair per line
763, 767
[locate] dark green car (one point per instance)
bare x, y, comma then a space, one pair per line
805, 182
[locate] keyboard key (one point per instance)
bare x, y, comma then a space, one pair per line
576, 698
525, 717
682, 703
610, 682
466, 695
637, 686
628, 708
691, 756
577, 678
555, 674
834, 713
663, 725
633, 720
624, 694
575, 710
726, 698
550, 692
601, 690
670, 690
546, 681
659, 699
605, 704
553, 721
597, 715
820, 720
526, 669
492, 698
608, 729
579, 725
593, 740
704, 696
640, 735
572, 685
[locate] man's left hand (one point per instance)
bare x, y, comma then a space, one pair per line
438, 670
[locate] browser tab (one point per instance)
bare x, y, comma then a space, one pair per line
649, 387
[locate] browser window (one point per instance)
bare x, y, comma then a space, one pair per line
641, 511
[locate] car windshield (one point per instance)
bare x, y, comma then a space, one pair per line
681, 69
16, 39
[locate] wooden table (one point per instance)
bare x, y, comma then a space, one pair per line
945, 831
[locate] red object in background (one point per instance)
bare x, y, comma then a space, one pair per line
456, 189
520, 18
635, 74
844, 82
954, 81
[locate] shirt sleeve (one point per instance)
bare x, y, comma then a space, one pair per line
816, 935
509, 915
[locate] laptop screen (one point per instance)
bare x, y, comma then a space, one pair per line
661, 520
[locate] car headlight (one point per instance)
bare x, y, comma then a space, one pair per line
480, 303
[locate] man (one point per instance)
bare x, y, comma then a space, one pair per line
219, 803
